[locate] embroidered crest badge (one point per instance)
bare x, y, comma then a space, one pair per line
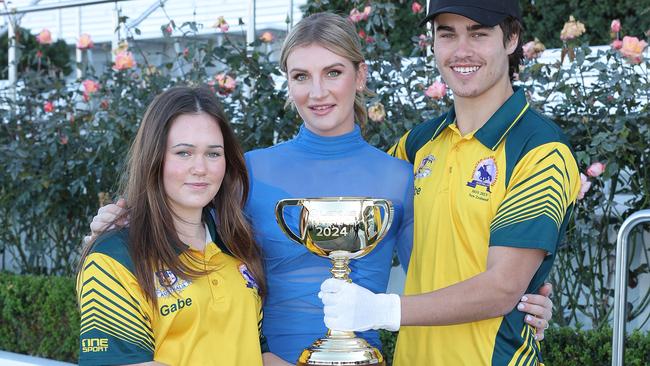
485, 174
424, 169
169, 282
248, 277
166, 278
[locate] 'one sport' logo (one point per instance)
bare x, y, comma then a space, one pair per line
94, 345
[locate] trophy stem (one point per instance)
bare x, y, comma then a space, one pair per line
340, 269
340, 334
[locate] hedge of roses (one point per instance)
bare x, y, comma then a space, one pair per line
62, 144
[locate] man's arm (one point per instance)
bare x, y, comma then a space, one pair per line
492, 293
489, 294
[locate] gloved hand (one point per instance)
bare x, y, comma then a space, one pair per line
353, 308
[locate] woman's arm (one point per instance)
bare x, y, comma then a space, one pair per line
269, 359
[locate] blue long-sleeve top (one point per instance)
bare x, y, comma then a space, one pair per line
315, 166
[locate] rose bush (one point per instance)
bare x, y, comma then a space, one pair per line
62, 145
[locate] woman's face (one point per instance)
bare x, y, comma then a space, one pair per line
194, 164
322, 86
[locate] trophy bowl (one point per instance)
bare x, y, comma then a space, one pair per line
342, 229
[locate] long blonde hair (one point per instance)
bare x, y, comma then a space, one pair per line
336, 34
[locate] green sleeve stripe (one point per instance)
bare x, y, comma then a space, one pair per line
117, 318
525, 217
543, 185
108, 329
116, 281
93, 283
523, 197
558, 153
97, 323
539, 208
523, 355
543, 171
532, 198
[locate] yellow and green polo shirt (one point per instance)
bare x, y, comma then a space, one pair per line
211, 320
513, 182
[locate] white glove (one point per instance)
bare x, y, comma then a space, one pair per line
350, 307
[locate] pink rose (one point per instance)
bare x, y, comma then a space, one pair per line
533, 49
632, 49
221, 24
225, 83
572, 29
85, 42
356, 16
63, 139
416, 8
45, 37
90, 86
267, 37
423, 41
123, 61
376, 112
616, 26
596, 169
437, 90
617, 44
48, 107
585, 184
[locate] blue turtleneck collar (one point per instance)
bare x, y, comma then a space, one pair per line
329, 145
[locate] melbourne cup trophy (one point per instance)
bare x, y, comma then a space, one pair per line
341, 229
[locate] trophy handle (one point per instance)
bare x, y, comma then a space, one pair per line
279, 217
388, 220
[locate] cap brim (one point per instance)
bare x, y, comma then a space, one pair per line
481, 16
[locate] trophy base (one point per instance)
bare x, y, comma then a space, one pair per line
340, 349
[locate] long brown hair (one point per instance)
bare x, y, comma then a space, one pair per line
153, 241
338, 35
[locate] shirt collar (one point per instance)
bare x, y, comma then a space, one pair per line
329, 145
497, 127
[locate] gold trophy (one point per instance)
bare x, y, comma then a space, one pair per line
339, 228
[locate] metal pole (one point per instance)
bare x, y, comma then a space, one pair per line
250, 31
78, 53
116, 35
59, 5
620, 284
290, 14
11, 58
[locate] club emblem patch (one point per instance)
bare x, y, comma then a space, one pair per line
424, 169
485, 174
166, 278
169, 282
248, 277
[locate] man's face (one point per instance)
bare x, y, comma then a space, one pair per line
471, 57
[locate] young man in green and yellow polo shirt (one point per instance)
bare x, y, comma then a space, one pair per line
495, 184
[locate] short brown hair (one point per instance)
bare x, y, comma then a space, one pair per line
512, 27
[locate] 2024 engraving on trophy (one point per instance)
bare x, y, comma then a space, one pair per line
339, 228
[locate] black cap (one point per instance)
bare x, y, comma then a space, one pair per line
485, 12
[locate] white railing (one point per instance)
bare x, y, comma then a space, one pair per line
620, 286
